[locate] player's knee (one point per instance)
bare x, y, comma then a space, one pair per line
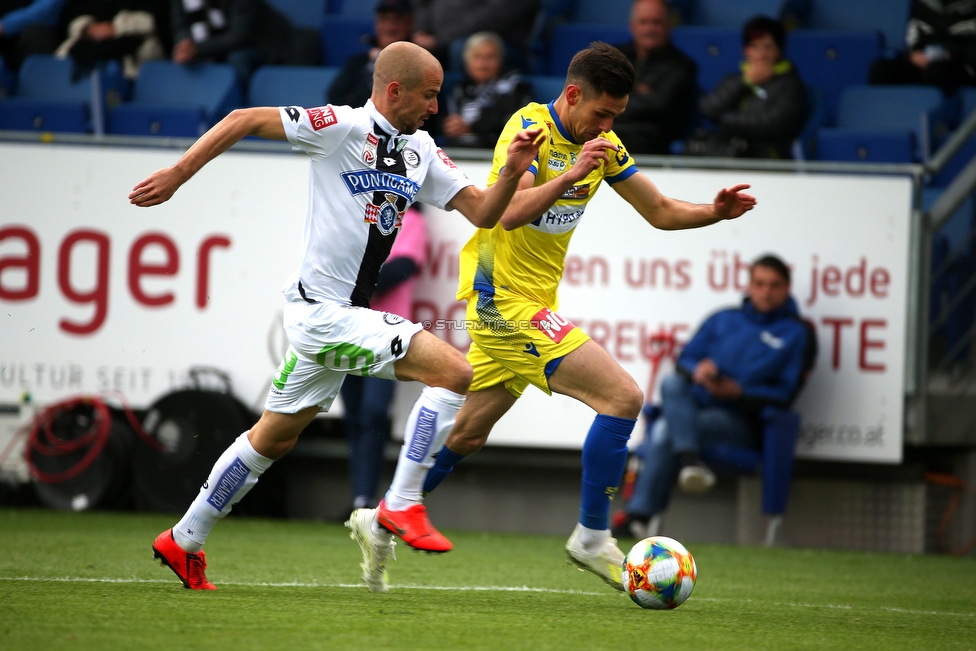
628, 401
460, 376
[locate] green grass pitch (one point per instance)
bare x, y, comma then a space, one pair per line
86, 581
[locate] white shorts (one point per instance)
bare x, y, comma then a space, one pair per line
329, 340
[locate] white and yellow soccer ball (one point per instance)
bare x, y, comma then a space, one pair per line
659, 573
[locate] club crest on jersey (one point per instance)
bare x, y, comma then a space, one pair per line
552, 325
321, 117
411, 157
369, 150
447, 160
392, 319
386, 216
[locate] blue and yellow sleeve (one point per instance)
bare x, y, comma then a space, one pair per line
622, 164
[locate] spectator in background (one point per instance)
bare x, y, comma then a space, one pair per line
27, 28
666, 86
354, 83
441, 22
243, 33
740, 360
133, 31
367, 399
760, 111
941, 39
481, 103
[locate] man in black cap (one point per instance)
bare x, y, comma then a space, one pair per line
354, 83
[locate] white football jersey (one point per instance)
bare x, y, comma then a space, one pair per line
363, 176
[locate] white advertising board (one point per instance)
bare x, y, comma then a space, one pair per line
96, 295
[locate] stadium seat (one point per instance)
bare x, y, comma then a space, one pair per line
967, 104
833, 60
344, 36
177, 100
353, 8
803, 146
722, 13
569, 38
866, 145
716, 50
919, 109
304, 13
48, 100
290, 86
890, 17
546, 88
615, 12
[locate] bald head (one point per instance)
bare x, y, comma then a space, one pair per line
404, 62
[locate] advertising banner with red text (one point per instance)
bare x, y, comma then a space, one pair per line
96, 295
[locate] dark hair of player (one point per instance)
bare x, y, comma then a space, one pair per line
599, 69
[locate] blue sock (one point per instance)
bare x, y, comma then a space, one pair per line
443, 465
604, 460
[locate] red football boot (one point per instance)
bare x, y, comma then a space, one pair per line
413, 526
188, 567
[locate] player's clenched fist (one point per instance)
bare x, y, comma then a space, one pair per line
523, 149
591, 156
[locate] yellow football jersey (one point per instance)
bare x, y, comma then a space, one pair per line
529, 260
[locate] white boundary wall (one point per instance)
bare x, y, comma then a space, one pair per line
846, 237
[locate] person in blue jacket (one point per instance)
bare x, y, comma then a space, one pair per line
740, 360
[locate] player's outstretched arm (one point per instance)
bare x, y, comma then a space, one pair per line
162, 184
671, 214
484, 206
531, 202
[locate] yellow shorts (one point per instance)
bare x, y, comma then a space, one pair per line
516, 341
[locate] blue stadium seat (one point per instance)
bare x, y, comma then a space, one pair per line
353, 8
615, 12
716, 50
303, 13
866, 145
290, 86
833, 60
569, 38
890, 17
342, 37
148, 119
919, 109
723, 13
804, 144
47, 99
546, 88
967, 104
177, 100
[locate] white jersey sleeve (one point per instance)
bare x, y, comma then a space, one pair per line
444, 179
316, 131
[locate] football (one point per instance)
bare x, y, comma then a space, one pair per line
659, 573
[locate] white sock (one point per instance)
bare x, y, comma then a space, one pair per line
429, 423
592, 539
235, 473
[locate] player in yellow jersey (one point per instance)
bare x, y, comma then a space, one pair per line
509, 277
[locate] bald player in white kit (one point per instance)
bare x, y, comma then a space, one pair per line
367, 166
